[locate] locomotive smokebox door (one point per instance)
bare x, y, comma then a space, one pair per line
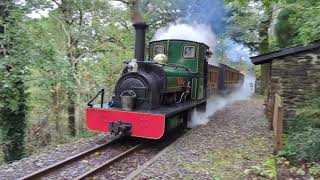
121, 128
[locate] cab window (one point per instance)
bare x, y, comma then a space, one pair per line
158, 49
189, 52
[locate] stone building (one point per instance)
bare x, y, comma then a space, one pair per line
293, 74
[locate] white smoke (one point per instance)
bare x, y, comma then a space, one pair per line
191, 32
217, 103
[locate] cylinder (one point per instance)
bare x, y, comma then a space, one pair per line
139, 47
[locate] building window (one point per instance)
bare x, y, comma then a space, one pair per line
189, 52
158, 49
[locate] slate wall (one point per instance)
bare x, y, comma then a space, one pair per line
293, 77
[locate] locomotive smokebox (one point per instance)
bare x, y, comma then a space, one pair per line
140, 29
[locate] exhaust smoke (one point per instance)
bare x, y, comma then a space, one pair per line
216, 103
190, 32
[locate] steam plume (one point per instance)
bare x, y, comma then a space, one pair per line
217, 103
192, 32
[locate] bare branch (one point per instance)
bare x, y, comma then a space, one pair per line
123, 1
64, 29
88, 52
56, 2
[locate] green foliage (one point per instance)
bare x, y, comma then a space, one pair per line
308, 115
101, 38
315, 170
285, 30
304, 145
244, 24
267, 169
269, 25
303, 142
306, 20
13, 74
297, 23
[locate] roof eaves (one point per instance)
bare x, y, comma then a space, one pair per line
264, 58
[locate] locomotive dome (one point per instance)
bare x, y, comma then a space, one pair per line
160, 58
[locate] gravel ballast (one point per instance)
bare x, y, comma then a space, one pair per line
233, 141
49, 156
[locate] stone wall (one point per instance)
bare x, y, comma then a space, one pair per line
294, 77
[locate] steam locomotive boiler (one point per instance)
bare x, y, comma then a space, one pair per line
157, 94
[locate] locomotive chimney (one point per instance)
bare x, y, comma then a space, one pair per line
139, 47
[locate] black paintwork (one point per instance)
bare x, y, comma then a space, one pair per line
139, 49
148, 83
169, 110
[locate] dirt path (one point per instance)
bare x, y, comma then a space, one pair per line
235, 144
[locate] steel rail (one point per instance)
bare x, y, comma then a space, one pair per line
109, 162
71, 159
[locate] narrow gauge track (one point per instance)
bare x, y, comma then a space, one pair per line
132, 156
122, 167
108, 163
42, 173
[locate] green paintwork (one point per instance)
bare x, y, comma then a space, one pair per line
173, 49
194, 88
200, 88
172, 75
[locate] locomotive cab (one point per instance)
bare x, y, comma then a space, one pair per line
190, 55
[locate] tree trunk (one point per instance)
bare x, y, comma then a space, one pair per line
72, 50
71, 114
264, 46
55, 113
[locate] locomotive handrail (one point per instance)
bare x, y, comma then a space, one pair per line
102, 97
131, 92
163, 65
178, 66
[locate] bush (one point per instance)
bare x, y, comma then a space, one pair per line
307, 116
304, 145
303, 138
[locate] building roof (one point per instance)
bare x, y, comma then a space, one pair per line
265, 58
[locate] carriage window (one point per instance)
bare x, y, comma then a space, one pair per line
158, 49
189, 52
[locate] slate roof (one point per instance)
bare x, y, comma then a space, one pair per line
265, 58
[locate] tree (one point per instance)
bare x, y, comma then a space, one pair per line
250, 25
13, 71
88, 30
306, 20
285, 30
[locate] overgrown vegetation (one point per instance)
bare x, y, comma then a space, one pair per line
303, 142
